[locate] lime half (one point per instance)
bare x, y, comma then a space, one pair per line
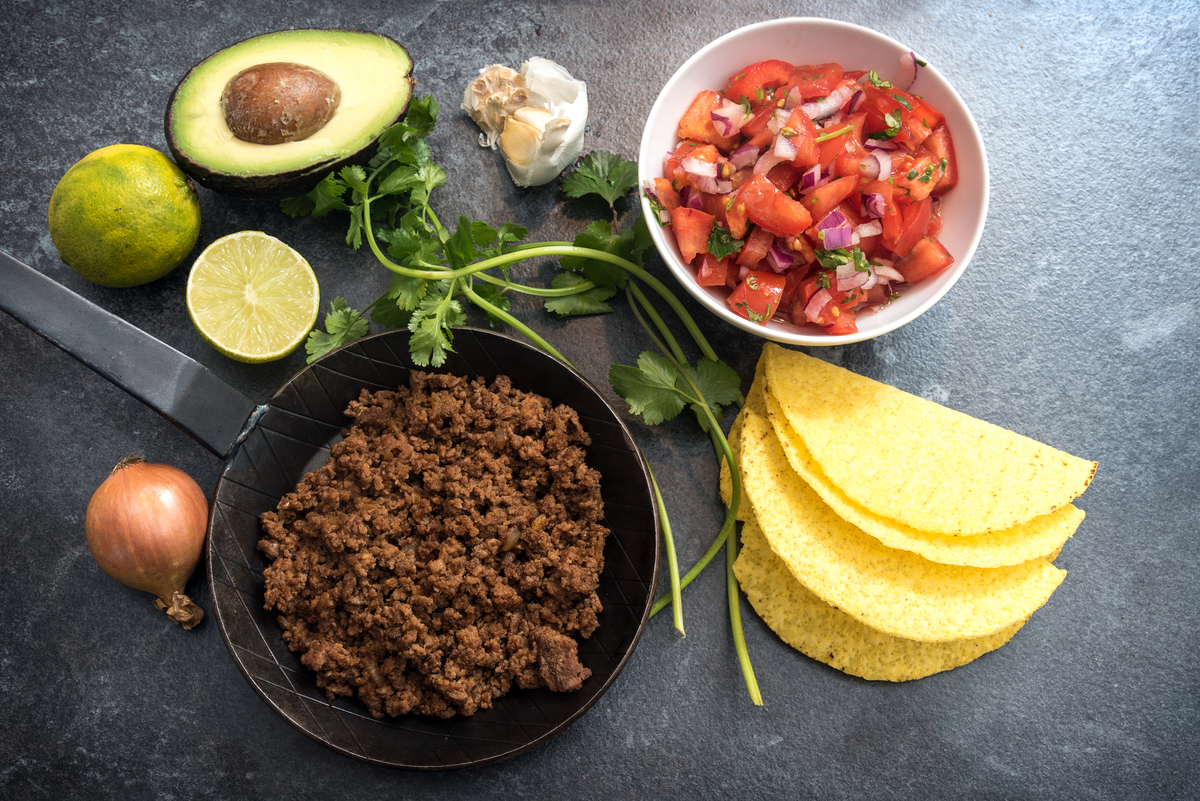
252, 297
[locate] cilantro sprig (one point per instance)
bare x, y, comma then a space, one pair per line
438, 270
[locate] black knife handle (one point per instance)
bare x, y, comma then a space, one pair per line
172, 384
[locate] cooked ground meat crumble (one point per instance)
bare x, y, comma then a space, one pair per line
448, 550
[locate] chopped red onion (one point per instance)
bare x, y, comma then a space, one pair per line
784, 148
874, 204
849, 278
834, 219
879, 144
694, 166
744, 156
872, 228
856, 100
877, 165
885, 164
793, 98
887, 272
691, 198
810, 177
826, 106
835, 238
873, 280
743, 271
780, 258
816, 304
908, 71
817, 185
869, 167
778, 120
714, 187
768, 160
729, 118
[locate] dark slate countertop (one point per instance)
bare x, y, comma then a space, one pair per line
1077, 323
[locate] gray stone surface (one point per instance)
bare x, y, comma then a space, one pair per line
1078, 323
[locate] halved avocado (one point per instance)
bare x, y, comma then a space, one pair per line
372, 72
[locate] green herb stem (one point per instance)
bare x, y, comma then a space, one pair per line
507, 318
675, 598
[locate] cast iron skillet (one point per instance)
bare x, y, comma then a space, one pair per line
268, 448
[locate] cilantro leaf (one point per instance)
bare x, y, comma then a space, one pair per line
718, 384
343, 325
356, 177
599, 236
325, 197
590, 301
605, 174
430, 323
406, 291
495, 296
460, 247
832, 259
649, 388
390, 314
721, 243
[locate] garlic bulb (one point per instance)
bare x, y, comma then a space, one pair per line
537, 116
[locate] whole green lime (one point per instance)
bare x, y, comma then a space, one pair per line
124, 215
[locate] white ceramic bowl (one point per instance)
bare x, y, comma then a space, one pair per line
807, 40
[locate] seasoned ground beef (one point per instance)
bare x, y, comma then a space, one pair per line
448, 550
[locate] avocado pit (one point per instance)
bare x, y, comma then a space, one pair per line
269, 104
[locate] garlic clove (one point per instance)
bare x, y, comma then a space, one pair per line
536, 116
520, 141
532, 115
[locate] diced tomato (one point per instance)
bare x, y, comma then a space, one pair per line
673, 166
942, 147
771, 208
714, 205
756, 247
758, 121
850, 141
816, 81
791, 289
697, 123
915, 175
915, 119
910, 219
667, 196
691, 228
800, 130
710, 271
935, 219
821, 201
927, 258
915, 225
784, 175
735, 216
753, 81
800, 245
757, 297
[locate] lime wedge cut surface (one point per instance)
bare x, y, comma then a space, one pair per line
252, 297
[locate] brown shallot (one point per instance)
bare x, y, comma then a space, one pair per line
145, 527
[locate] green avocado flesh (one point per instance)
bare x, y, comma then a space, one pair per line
372, 71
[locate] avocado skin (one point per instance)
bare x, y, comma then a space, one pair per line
287, 183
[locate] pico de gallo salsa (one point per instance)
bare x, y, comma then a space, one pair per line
811, 192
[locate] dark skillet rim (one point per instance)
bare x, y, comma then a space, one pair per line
223, 625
